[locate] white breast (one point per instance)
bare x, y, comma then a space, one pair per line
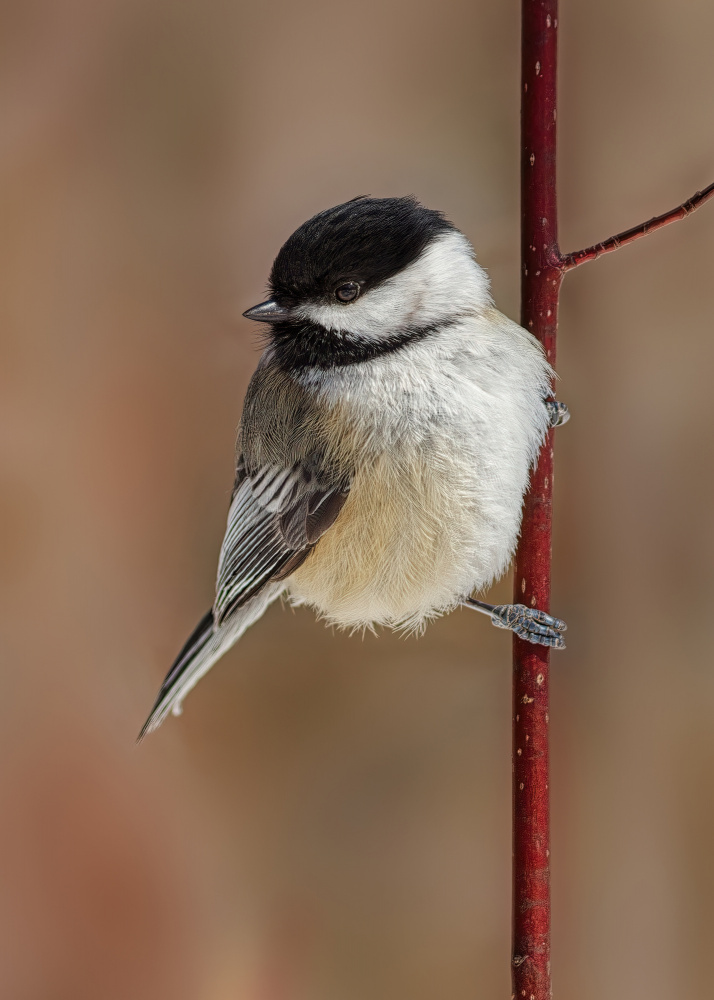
442, 436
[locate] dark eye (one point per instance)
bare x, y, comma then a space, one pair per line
347, 292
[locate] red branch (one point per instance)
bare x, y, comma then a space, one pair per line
542, 272
540, 283
570, 260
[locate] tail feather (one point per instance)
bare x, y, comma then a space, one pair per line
206, 644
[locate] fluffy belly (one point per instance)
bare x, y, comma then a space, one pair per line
404, 547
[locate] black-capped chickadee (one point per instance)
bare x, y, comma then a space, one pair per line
386, 439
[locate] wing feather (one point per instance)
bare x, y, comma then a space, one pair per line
277, 515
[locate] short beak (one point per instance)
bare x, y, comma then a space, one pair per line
268, 312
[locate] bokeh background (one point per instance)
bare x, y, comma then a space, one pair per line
330, 818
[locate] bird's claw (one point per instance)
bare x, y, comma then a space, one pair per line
530, 624
558, 412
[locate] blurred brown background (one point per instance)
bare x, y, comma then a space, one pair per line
330, 819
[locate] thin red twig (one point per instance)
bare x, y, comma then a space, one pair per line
570, 260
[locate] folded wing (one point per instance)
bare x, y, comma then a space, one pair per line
276, 517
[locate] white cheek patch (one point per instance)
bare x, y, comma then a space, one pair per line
444, 281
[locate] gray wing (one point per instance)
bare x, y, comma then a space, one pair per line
276, 517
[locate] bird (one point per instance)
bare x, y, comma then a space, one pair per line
386, 440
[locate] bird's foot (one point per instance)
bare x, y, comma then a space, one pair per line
558, 412
529, 624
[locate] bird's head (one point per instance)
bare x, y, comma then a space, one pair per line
365, 277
